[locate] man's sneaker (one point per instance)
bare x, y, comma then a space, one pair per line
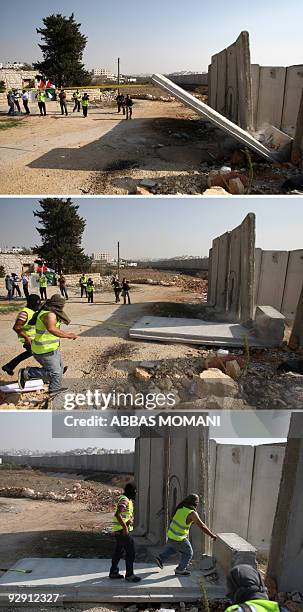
132, 578
8, 370
182, 572
21, 379
116, 576
159, 562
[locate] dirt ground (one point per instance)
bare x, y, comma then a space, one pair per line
31, 527
104, 353
165, 143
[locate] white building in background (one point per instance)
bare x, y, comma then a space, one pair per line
102, 256
11, 65
103, 72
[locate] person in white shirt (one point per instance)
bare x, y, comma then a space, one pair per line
25, 101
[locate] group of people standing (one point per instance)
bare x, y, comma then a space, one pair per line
125, 104
12, 285
13, 99
121, 289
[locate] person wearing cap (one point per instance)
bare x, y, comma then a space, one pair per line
46, 344
122, 527
247, 591
184, 516
25, 332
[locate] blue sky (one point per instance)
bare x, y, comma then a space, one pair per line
163, 227
160, 36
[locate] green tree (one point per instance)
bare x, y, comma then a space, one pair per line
62, 49
61, 229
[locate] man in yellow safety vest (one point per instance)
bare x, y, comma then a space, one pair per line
41, 98
248, 592
25, 331
46, 344
42, 280
178, 534
83, 284
77, 100
122, 528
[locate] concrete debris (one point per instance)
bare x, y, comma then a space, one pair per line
216, 191
213, 382
142, 374
233, 369
97, 502
236, 186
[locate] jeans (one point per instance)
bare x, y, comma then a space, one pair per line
77, 106
42, 108
25, 104
126, 296
51, 371
129, 112
117, 295
9, 294
123, 542
27, 353
63, 107
17, 289
83, 291
90, 296
43, 293
85, 109
183, 547
25, 290
63, 291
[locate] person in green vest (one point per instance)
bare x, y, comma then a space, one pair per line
83, 284
46, 344
41, 99
247, 591
77, 100
85, 104
24, 331
184, 516
42, 280
90, 290
122, 527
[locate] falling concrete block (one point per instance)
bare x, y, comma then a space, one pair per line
269, 325
213, 382
230, 549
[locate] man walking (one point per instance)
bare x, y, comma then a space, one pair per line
120, 103
90, 290
125, 290
42, 286
25, 331
184, 516
77, 99
129, 107
15, 282
24, 279
117, 288
41, 102
25, 99
62, 286
63, 104
16, 96
85, 103
11, 103
46, 345
9, 287
83, 284
122, 528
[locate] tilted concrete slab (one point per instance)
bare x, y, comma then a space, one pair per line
193, 331
232, 129
84, 580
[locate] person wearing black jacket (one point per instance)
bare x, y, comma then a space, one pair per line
125, 290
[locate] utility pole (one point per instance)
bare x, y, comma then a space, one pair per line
118, 260
118, 75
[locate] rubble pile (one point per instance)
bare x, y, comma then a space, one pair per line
186, 283
96, 501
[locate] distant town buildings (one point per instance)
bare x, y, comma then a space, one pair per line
102, 256
11, 65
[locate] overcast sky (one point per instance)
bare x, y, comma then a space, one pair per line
160, 36
158, 227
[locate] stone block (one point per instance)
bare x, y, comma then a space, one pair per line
213, 382
230, 550
269, 325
